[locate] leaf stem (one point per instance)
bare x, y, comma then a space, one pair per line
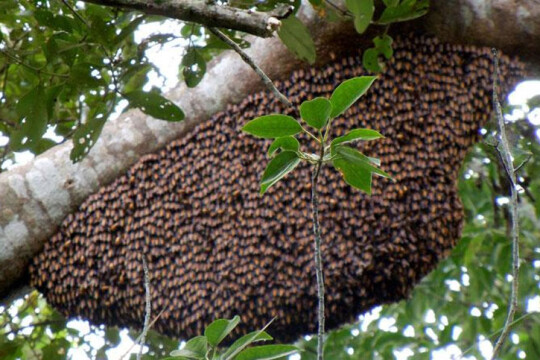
318, 256
506, 157
311, 135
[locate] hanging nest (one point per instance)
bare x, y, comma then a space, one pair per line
216, 248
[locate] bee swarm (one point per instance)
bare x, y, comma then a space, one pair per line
215, 248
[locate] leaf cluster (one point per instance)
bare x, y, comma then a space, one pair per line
356, 168
64, 68
363, 12
206, 347
463, 303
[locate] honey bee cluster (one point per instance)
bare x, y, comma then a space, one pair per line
216, 248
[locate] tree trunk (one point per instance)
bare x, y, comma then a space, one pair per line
36, 197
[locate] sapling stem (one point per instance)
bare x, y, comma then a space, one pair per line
318, 256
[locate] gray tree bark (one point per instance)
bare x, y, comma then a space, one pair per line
207, 13
36, 197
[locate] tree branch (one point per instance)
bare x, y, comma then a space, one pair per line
257, 23
506, 159
266, 80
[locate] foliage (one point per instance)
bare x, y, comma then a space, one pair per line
65, 69
206, 347
461, 306
394, 11
31, 329
285, 153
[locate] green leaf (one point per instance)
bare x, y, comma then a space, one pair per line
112, 334
354, 175
42, 145
284, 143
214, 42
87, 134
102, 31
56, 349
355, 135
194, 67
296, 37
348, 92
406, 10
44, 17
384, 45
58, 22
85, 74
356, 168
191, 30
135, 77
219, 329
32, 110
316, 112
186, 354
370, 60
273, 126
267, 352
128, 30
51, 98
375, 161
356, 157
277, 168
363, 13
155, 105
244, 341
196, 348
62, 46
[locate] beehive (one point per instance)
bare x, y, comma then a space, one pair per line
215, 248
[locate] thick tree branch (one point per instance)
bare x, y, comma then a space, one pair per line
511, 26
208, 13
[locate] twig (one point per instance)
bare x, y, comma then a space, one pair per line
5, 70
16, 330
469, 349
30, 67
525, 185
140, 336
318, 257
75, 13
506, 155
338, 9
266, 80
257, 23
148, 309
529, 156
